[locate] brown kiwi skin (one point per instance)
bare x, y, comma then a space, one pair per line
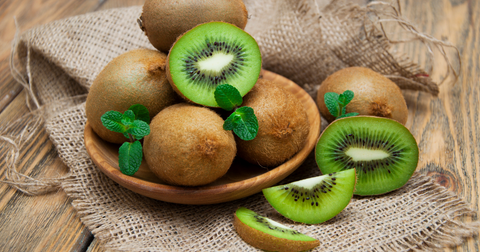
269, 242
164, 20
374, 94
188, 146
135, 77
282, 121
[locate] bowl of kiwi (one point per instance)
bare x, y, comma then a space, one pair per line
242, 179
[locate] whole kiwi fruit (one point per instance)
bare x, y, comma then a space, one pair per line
374, 94
283, 125
135, 77
188, 146
164, 20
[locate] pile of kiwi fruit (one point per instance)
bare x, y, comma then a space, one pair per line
202, 44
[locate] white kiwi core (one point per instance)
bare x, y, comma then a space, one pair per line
309, 183
216, 62
360, 154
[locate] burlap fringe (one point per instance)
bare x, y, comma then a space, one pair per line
33, 123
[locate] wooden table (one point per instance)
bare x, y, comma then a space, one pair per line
447, 127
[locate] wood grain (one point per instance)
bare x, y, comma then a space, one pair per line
446, 127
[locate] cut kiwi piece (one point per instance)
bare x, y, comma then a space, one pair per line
209, 55
313, 200
266, 234
382, 150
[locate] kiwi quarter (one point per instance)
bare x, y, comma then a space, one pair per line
264, 233
209, 55
374, 94
283, 125
313, 200
164, 20
382, 150
135, 77
188, 146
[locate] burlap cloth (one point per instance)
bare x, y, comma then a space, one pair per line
302, 40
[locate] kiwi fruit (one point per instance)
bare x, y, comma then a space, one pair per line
313, 200
209, 55
135, 77
382, 150
264, 233
374, 94
164, 20
283, 125
188, 146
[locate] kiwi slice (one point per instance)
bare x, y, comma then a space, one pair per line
313, 200
209, 55
382, 150
266, 234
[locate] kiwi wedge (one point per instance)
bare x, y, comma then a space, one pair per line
382, 150
313, 200
266, 234
209, 55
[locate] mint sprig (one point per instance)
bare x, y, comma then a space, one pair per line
242, 121
337, 103
133, 124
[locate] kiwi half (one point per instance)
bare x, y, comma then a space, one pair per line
313, 200
266, 234
382, 150
209, 55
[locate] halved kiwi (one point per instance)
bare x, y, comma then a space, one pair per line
382, 150
209, 55
266, 234
313, 200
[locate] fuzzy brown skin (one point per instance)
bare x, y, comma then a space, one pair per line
164, 20
282, 122
268, 242
188, 146
135, 77
375, 94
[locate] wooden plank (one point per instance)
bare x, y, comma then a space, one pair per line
446, 127
36, 223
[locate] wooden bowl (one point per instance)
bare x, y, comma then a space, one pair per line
243, 179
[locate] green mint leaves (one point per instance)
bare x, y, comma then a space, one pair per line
130, 157
228, 97
133, 124
242, 121
337, 103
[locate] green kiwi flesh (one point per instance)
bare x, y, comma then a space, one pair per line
382, 150
266, 234
313, 200
209, 55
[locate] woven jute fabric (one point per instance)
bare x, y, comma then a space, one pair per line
301, 40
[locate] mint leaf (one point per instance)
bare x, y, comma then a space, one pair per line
112, 120
243, 122
348, 115
331, 101
141, 112
139, 129
128, 118
130, 157
227, 97
348, 97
